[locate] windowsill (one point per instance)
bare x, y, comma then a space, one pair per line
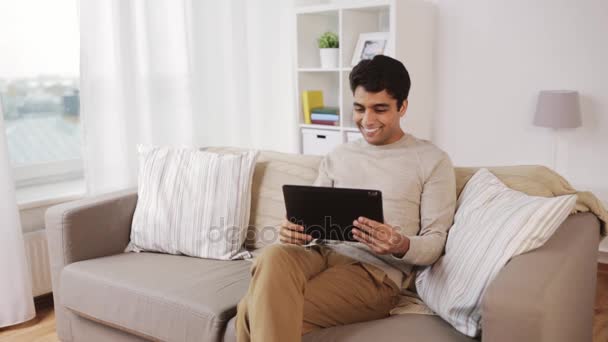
49, 194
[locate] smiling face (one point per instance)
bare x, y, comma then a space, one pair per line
377, 116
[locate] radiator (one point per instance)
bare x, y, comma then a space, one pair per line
37, 252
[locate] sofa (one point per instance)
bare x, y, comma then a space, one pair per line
103, 294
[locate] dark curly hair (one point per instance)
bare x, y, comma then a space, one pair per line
382, 73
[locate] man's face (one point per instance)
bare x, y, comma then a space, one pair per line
377, 116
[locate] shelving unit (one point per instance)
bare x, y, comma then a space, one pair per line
410, 24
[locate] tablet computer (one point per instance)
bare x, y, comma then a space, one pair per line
328, 213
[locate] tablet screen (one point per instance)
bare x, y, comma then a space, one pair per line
328, 213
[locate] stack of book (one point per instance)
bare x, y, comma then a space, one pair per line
325, 116
315, 112
311, 99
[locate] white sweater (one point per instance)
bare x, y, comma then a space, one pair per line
418, 196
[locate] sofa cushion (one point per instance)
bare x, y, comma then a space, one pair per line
493, 224
272, 170
192, 202
157, 296
409, 327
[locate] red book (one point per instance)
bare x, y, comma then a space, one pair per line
326, 123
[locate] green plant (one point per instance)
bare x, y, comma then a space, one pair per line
328, 40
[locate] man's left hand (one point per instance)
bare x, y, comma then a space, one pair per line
380, 237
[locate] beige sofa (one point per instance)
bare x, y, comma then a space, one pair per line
103, 294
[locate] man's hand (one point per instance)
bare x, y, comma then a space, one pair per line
380, 237
293, 234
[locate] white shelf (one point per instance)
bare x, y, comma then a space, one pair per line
319, 69
410, 25
317, 9
371, 6
326, 127
360, 5
330, 128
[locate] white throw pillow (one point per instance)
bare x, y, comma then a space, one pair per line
192, 202
493, 223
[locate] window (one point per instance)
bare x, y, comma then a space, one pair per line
39, 92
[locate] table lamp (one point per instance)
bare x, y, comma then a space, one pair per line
557, 109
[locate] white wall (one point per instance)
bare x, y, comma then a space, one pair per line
493, 56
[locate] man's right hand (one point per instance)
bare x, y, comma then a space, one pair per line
293, 234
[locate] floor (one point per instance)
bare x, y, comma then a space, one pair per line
600, 320
42, 328
39, 329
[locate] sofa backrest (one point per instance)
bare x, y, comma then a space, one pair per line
272, 170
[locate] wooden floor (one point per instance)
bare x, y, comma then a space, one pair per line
39, 329
42, 328
600, 320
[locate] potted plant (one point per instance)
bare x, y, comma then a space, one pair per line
328, 47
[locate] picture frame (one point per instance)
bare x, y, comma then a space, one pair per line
369, 45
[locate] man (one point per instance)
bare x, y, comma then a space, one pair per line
300, 285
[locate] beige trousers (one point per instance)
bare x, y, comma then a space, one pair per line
295, 290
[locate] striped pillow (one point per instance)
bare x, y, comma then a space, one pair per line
192, 202
493, 223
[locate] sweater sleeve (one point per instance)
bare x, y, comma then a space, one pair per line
437, 206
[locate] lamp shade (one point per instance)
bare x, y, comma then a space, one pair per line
558, 109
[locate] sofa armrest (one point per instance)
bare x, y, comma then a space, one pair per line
90, 228
547, 294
